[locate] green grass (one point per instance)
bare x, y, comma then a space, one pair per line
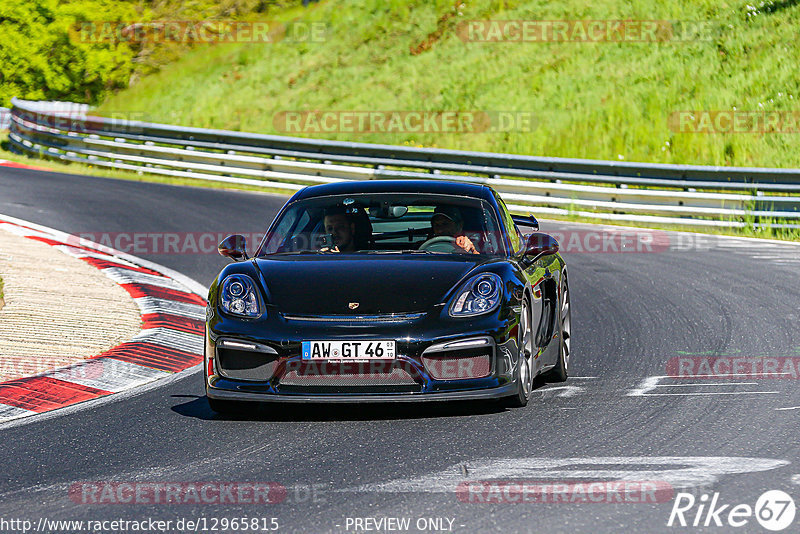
591, 100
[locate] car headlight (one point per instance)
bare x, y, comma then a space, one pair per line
480, 294
239, 296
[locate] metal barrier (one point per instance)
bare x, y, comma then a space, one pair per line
64, 109
620, 191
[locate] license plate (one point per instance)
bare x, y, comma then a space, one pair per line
348, 350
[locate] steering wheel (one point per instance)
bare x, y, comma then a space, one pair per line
440, 243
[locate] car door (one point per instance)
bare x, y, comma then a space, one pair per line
541, 308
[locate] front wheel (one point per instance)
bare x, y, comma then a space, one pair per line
560, 372
524, 372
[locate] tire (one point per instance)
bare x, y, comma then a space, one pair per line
560, 372
524, 373
225, 407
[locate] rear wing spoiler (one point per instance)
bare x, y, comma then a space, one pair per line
526, 220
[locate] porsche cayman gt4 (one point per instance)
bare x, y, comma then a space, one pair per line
388, 291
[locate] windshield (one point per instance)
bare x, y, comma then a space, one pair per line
386, 223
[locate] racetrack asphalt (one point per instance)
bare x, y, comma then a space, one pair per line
632, 313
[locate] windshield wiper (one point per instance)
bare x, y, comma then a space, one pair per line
296, 252
398, 252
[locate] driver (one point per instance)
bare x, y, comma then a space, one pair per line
447, 221
341, 228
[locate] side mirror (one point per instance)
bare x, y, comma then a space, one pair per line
234, 247
538, 245
528, 221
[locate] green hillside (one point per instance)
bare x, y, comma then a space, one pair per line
608, 100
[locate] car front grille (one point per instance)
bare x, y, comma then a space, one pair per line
457, 366
246, 365
350, 319
348, 375
460, 359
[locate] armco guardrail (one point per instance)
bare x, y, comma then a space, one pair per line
64, 109
623, 191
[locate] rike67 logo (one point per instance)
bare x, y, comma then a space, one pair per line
774, 510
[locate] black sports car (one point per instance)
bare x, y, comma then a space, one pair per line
388, 291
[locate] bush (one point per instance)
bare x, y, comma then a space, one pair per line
40, 58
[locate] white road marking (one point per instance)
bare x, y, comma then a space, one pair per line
678, 471
694, 393
726, 375
565, 391
646, 385
650, 383
789, 408
706, 384
777, 253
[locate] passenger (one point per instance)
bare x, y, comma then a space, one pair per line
447, 221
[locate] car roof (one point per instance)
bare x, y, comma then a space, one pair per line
396, 186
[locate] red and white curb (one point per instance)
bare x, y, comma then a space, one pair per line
15, 165
172, 308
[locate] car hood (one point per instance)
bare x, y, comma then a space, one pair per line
328, 284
